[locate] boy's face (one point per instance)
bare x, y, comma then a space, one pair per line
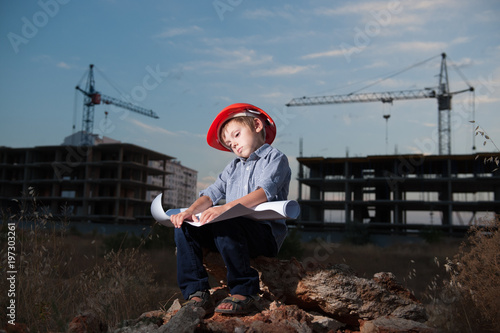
242, 139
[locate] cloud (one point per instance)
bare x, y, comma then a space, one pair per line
242, 56
259, 14
63, 65
281, 71
393, 7
229, 59
331, 53
418, 46
49, 60
402, 17
265, 14
150, 129
173, 32
274, 95
160, 130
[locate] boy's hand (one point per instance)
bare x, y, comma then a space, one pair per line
211, 214
177, 219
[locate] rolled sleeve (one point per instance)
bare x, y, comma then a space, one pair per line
217, 191
275, 177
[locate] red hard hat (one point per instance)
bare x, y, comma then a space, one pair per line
239, 110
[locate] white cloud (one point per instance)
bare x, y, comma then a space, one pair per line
274, 95
264, 13
258, 14
331, 53
281, 71
418, 46
229, 59
173, 32
160, 130
64, 65
151, 129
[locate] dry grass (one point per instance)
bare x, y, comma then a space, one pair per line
412, 264
467, 299
457, 279
61, 275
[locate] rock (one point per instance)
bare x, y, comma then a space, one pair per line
295, 298
87, 322
348, 298
390, 324
389, 282
282, 319
148, 322
335, 291
139, 328
16, 328
184, 321
324, 324
176, 306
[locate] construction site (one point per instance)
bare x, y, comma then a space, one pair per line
89, 178
399, 193
98, 179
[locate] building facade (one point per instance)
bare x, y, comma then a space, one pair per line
182, 181
398, 192
107, 183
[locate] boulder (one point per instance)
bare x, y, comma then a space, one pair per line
335, 290
389, 324
300, 298
87, 322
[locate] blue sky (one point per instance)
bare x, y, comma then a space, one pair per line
188, 60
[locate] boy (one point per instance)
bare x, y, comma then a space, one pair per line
259, 173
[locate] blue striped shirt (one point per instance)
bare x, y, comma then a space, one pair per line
266, 168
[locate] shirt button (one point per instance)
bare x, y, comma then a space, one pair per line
248, 168
245, 187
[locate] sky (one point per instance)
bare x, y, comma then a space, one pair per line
187, 60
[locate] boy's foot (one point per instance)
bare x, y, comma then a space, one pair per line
201, 299
238, 304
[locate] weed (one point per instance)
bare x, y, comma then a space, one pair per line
467, 298
61, 274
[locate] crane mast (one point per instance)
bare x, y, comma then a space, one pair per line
92, 98
443, 96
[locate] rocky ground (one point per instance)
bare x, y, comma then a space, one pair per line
295, 298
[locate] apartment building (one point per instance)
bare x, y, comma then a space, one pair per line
108, 182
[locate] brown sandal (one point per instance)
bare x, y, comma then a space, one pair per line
206, 301
239, 306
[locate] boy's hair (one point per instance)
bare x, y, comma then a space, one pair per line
247, 121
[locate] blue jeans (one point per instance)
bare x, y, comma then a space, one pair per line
237, 240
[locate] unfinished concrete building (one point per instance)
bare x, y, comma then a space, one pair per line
402, 192
107, 183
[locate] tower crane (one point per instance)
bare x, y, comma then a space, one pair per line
443, 96
93, 97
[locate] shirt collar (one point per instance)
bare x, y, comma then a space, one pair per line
259, 153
